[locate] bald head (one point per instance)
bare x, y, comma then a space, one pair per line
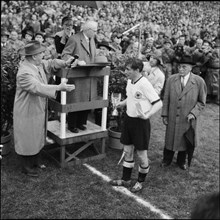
89, 28
90, 24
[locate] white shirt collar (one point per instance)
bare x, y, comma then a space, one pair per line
186, 78
87, 39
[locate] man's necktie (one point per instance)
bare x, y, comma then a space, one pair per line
182, 83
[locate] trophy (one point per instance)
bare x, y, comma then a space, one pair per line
116, 98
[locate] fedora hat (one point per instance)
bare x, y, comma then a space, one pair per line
40, 33
168, 41
29, 32
32, 48
186, 60
105, 44
158, 56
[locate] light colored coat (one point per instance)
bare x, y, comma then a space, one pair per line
177, 104
30, 105
156, 78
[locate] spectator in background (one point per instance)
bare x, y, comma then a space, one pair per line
4, 40
50, 52
167, 57
212, 74
62, 37
206, 207
116, 40
29, 35
35, 24
39, 36
14, 42
44, 23
160, 40
148, 48
178, 52
156, 77
193, 40
104, 48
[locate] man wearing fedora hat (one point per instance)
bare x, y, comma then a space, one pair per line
184, 99
30, 105
104, 49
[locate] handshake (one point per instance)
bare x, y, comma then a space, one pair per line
73, 62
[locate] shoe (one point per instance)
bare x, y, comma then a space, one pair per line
40, 166
29, 172
182, 166
120, 183
74, 130
137, 187
49, 141
82, 127
164, 164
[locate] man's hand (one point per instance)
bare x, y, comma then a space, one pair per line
121, 104
71, 63
142, 115
81, 63
190, 117
66, 87
165, 120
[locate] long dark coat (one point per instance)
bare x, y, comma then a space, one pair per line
85, 87
177, 104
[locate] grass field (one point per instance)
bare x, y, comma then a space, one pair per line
76, 193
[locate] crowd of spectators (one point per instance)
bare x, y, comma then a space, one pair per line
174, 27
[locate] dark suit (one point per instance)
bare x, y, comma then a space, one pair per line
85, 88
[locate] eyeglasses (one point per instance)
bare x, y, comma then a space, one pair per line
182, 67
68, 25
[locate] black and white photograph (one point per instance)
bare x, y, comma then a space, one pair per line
110, 109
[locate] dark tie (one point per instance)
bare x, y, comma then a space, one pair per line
90, 51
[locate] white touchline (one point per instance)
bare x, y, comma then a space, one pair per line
128, 193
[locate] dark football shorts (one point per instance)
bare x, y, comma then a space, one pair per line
136, 131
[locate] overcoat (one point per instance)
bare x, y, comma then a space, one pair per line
86, 88
177, 104
30, 105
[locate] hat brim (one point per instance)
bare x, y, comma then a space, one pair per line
192, 64
40, 50
107, 46
157, 58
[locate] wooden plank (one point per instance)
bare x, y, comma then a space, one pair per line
92, 132
80, 106
83, 71
84, 160
82, 148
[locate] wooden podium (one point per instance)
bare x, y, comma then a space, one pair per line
58, 129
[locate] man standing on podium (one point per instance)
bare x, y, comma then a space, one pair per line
83, 45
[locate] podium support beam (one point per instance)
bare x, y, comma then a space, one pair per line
105, 96
63, 115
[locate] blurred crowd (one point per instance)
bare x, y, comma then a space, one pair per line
173, 28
